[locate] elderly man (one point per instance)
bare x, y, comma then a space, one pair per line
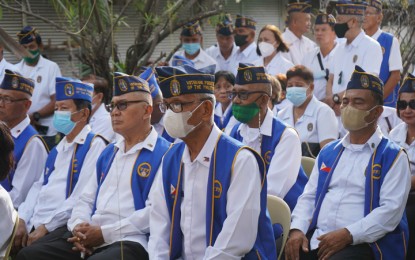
43, 73
359, 49
30, 151
298, 24
244, 35
278, 144
353, 205
50, 201
111, 217
392, 60
208, 200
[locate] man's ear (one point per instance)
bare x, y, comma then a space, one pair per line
149, 111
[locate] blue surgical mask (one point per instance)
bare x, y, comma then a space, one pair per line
191, 48
62, 122
297, 95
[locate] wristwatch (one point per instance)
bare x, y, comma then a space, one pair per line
36, 116
336, 99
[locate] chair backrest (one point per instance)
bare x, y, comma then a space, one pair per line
280, 213
9, 247
308, 164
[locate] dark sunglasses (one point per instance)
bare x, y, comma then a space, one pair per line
402, 104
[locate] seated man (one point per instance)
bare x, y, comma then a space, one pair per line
111, 218
212, 179
30, 151
69, 165
278, 144
353, 205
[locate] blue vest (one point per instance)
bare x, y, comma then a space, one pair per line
385, 40
75, 166
222, 125
166, 136
394, 244
267, 152
19, 146
223, 155
142, 174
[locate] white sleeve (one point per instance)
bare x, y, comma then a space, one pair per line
54, 72
240, 228
395, 58
63, 213
327, 127
285, 164
373, 59
393, 196
27, 208
28, 170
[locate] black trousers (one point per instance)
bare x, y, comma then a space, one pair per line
357, 252
54, 246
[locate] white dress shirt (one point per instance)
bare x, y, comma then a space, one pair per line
31, 164
243, 207
395, 58
47, 204
310, 60
5, 65
298, 46
249, 55
280, 106
100, 123
277, 65
202, 60
44, 76
232, 121
398, 135
343, 205
285, 163
318, 123
362, 51
8, 218
115, 212
223, 64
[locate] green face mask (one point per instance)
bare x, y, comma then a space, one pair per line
244, 114
35, 54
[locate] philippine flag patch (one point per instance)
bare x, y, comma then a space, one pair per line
172, 190
324, 168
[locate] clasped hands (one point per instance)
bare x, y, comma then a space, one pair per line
86, 237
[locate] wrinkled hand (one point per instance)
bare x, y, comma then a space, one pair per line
333, 242
296, 240
39, 232
90, 236
20, 240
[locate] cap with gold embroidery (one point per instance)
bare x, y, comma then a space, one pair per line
363, 80
191, 29
350, 8
70, 88
14, 81
245, 21
149, 75
323, 18
375, 3
28, 34
124, 83
299, 7
250, 74
408, 85
225, 27
176, 81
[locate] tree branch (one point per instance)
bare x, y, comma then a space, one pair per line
124, 8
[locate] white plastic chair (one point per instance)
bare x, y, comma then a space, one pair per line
308, 164
280, 213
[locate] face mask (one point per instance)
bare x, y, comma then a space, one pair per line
62, 121
35, 54
354, 119
266, 48
176, 123
240, 40
340, 29
191, 48
297, 95
245, 113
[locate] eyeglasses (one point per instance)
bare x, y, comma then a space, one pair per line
9, 100
402, 104
177, 107
243, 95
122, 105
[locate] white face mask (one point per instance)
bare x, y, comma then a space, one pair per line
176, 123
266, 48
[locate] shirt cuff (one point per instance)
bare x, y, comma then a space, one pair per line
214, 253
72, 224
300, 225
108, 233
357, 232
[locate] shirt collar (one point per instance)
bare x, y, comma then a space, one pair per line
311, 107
219, 54
291, 36
377, 34
149, 143
356, 42
100, 111
19, 128
371, 143
204, 156
79, 139
248, 49
266, 126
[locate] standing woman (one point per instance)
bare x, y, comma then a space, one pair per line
8, 214
224, 81
270, 47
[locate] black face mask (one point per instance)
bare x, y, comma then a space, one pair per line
340, 29
240, 39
